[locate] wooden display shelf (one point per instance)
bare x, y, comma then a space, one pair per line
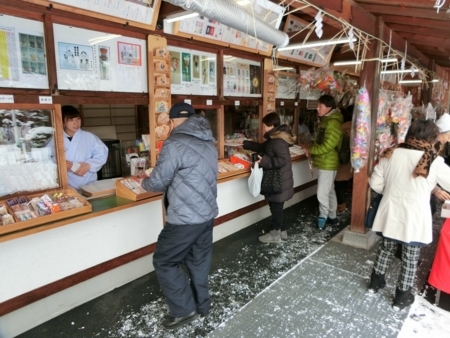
123, 191
20, 225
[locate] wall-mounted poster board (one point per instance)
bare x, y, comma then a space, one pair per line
241, 77
204, 29
192, 72
98, 61
140, 13
23, 63
315, 56
288, 86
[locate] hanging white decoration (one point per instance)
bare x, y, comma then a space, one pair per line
413, 71
319, 24
439, 4
350, 37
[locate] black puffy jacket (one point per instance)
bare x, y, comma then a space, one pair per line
276, 147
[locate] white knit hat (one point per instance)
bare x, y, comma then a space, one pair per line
444, 123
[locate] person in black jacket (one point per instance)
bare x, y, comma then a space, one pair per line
274, 154
186, 171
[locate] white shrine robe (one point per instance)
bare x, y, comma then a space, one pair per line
88, 148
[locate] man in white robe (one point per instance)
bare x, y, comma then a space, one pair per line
85, 152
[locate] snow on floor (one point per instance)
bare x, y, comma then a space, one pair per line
426, 320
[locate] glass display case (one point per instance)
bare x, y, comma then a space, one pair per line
33, 178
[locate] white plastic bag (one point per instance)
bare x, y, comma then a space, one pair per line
254, 181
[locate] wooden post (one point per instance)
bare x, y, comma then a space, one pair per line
370, 78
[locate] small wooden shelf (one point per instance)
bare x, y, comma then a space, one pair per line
123, 191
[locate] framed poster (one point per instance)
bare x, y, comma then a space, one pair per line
23, 62
192, 72
241, 77
98, 61
204, 29
143, 13
314, 56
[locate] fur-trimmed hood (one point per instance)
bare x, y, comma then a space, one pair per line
281, 132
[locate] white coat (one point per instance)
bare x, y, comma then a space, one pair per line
88, 148
404, 213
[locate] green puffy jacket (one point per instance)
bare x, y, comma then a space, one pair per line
328, 138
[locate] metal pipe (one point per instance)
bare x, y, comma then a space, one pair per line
231, 14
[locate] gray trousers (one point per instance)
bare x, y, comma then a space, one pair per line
326, 194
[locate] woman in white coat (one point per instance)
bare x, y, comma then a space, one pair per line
406, 176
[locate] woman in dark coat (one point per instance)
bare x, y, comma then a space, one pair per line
274, 154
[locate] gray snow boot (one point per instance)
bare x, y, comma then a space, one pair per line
283, 235
272, 237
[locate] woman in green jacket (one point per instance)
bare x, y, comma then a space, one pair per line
325, 157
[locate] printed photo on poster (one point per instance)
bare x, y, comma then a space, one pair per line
129, 54
204, 69
32, 54
255, 78
175, 71
186, 70
75, 57
212, 72
196, 66
145, 3
104, 59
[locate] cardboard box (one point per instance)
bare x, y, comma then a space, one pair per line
445, 211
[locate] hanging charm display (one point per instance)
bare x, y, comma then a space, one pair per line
361, 131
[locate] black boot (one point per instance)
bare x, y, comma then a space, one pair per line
377, 282
402, 299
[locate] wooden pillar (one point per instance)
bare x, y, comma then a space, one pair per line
370, 78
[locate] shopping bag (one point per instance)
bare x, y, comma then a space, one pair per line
272, 181
254, 181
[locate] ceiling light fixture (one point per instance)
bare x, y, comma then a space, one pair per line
316, 44
185, 15
389, 60
435, 80
397, 71
283, 68
410, 81
347, 63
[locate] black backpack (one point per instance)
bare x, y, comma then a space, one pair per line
344, 150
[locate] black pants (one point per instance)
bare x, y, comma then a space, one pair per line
191, 245
340, 187
276, 208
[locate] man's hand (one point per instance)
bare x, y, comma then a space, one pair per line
69, 165
442, 195
83, 169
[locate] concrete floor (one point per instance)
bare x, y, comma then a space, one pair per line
309, 286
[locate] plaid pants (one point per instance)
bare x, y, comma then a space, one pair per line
410, 257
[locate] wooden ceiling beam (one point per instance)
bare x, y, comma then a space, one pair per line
408, 12
419, 30
404, 3
417, 22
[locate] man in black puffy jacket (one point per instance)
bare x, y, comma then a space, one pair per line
186, 171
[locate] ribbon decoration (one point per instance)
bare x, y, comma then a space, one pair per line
439, 4
350, 37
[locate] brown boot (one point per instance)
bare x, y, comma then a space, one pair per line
341, 207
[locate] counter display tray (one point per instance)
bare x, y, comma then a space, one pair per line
123, 191
20, 225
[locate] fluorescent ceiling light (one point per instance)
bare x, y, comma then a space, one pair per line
316, 44
410, 81
389, 60
435, 80
283, 68
99, 39
347, 63
187, 15
397, 71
